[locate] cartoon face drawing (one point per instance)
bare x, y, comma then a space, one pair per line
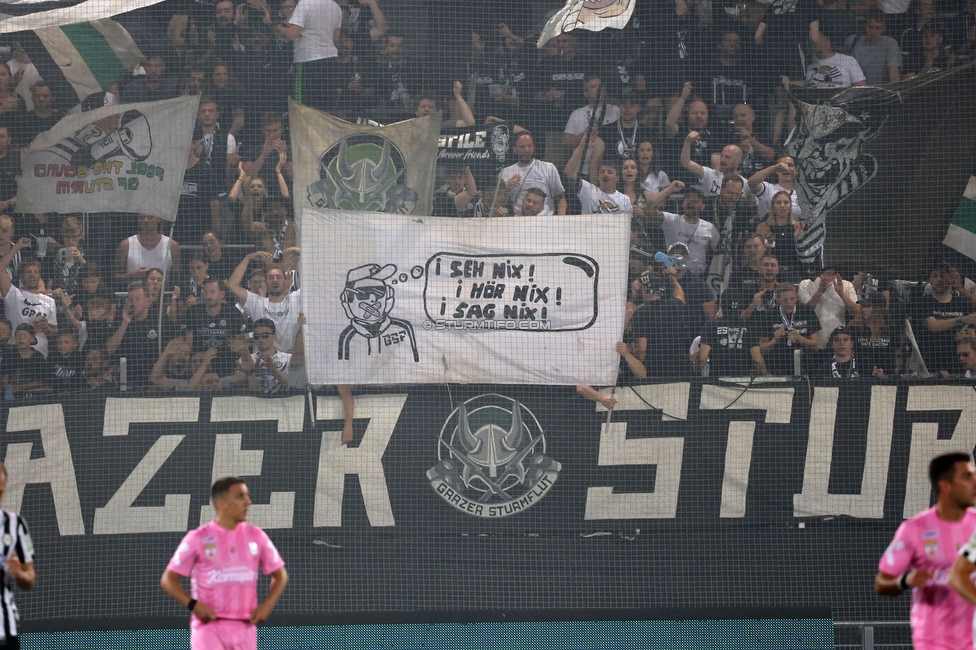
367, 304
367, 301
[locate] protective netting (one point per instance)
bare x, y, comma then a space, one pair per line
274, 240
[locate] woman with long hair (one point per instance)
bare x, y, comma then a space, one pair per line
781, 231
653, 179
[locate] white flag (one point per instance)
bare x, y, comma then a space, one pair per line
591, 15
398, 299
121, 158
344, 166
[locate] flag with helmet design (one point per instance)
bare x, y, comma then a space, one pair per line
121, 158
344, 166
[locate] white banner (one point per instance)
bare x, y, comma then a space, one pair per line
345, 166
121, 158
394, 299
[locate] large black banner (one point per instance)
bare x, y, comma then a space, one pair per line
689, 495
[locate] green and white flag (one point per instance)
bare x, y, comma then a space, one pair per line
22, 15
962, 229
93, 55
344, 166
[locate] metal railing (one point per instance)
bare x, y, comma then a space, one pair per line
872, 635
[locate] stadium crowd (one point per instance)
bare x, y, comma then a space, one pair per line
679, 119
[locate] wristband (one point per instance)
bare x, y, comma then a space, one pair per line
903, 582
190, 605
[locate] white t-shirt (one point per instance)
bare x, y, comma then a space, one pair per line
656, 181
539, 174
831, 310
595, 201
837, 71
283, 314
318, 19
699, 237
24, 306
711, 182
269, 382
580, 118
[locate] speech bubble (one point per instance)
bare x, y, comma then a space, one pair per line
555, 292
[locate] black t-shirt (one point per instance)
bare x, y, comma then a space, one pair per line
731, 342
33, 125
779, 359
98, 333
213, 331
697, 293
938, 348
663, 323
880, 352
787, 26
21, 371
9, 170
623, 141
826, 366
566, 78
140, 347
737, 298
66, 372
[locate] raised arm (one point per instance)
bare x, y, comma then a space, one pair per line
757, 179
465, 196
235, 279
686, 161
661, 198
379, 26
282, 183
467, 117
674, 115
5, 283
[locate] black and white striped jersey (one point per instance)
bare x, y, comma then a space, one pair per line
14, 538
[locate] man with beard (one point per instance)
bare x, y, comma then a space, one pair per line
530, 172
623, 135
927, 547
710, 180
212, 323
534, 203
703, 150
749, 297
25, 304
281, 305
690, 229
219, 264
602, 197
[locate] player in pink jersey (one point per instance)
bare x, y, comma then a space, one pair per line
922, 554
222, 560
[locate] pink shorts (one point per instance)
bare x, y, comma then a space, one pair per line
224, 635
